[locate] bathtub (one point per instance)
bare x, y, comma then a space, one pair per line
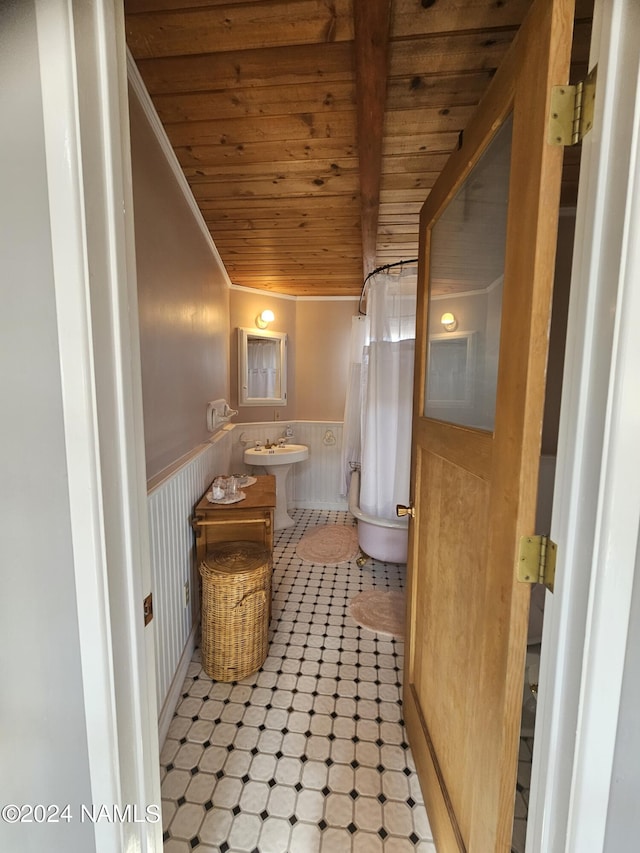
380, 538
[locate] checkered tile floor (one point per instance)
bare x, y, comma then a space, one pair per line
309, 754
522, 795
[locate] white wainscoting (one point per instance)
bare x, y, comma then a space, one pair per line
313, 484
172, 496
171, 500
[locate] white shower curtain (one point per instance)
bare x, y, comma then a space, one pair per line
385, 395
351, 442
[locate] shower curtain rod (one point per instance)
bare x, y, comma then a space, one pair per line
381, 269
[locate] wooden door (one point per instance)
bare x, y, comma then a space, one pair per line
488, 235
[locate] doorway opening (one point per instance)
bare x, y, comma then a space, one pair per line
553, 393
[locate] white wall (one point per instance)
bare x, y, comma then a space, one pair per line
313, 484
43, 745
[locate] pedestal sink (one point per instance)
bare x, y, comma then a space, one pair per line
278, 460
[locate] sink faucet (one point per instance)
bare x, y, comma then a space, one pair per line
268, 444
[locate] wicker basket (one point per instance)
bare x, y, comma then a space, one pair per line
236, 600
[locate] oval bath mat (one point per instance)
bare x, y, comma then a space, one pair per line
382, 612
329, 544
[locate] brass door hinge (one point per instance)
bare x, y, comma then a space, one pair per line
537, 560
148, 608
571, 114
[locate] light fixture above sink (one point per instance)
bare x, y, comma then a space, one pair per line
277, 460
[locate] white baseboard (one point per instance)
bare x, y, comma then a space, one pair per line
171, 701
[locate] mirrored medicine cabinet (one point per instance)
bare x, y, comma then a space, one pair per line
262, 368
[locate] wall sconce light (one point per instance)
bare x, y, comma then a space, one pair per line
449, 322
263, 320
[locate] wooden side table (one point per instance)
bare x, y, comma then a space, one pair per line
249, 520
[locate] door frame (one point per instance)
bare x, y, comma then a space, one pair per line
596, 511
562, 814
82, 57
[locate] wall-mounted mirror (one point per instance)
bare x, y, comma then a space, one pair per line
452, 374
262, 368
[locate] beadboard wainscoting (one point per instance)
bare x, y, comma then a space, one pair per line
312, 484
171, 498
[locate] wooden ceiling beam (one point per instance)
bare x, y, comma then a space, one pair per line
372, 23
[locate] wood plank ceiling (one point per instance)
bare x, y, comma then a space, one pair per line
311, 131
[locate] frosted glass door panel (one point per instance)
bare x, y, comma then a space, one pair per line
466, 271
